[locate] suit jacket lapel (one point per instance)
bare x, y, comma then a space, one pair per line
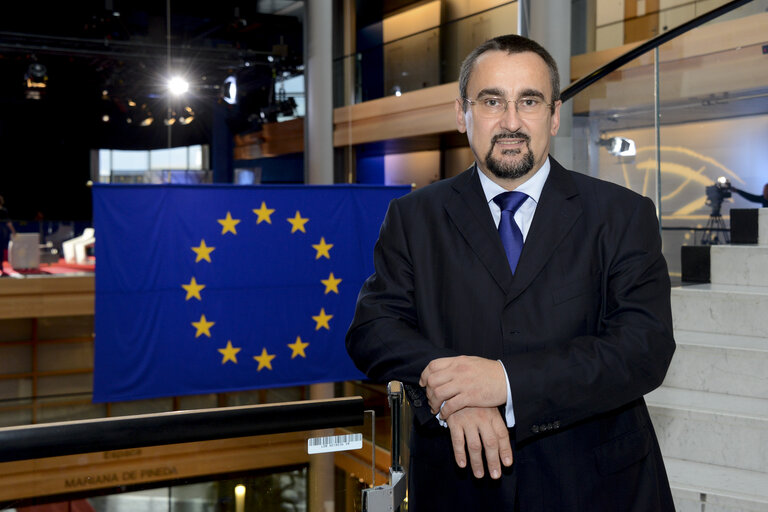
468, 209
555, 215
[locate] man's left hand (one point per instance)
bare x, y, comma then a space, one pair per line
463, 381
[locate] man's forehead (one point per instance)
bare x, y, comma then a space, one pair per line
497, 69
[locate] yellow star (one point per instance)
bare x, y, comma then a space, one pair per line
265, 360
203, 252
229, 353
331, 284
193, 289
298, 347
203, 327
264, 213
298, 222
228, 224
322, 249
322, 320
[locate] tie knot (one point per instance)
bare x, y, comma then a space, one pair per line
510, 201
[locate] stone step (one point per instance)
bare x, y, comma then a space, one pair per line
698, 487
739, 264
721, 363
721, 308
713, 428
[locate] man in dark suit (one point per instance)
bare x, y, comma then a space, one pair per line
526, 367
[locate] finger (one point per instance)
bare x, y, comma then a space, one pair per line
491, 448
475, 450
439, 378
434, 406
434, 366
453, 404
505, 446
457, 440
434, 402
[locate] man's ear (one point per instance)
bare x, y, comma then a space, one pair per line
556, 119
461, 123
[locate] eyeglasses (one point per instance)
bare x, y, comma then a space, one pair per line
526, 107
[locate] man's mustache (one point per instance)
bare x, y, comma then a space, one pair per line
510, 135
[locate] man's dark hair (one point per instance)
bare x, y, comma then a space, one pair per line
511, 43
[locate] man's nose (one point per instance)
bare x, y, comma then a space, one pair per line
510, 119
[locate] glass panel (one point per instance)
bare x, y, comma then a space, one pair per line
463, 35
105, 165
292, 87
196, 157
275, 472
413, 50
613, 128
129, 160
619, 23
714, 107
174, 158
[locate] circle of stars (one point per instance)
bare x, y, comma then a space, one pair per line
203, 254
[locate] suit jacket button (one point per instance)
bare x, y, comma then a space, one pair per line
556, 424
545, 427
417, 403
535, 429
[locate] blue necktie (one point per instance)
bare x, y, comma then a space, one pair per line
511, 237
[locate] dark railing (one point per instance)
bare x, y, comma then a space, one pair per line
584, 82
68, 438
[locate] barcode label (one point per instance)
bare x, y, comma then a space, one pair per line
334, 443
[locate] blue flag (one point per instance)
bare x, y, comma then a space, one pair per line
203, 289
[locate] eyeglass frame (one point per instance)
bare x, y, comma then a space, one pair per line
507, 102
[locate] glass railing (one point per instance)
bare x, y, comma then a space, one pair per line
616, 24
677, 116
305, 455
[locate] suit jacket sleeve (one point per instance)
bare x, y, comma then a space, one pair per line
384, 340
630, 352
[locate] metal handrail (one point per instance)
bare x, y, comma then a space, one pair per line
106, 434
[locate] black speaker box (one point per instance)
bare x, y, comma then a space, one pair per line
695, 263
744, 225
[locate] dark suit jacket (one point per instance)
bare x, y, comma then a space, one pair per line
583, 328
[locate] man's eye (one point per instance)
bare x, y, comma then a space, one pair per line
492, 102
529, 102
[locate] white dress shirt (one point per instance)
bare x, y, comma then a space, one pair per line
523, 218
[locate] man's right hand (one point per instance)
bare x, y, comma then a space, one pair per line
480, 429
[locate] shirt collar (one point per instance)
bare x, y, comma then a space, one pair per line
532, 187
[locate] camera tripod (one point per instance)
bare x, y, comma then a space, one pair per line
715, 226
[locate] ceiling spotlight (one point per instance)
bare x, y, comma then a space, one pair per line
178, 85
619, 146
229, 90
187, 116
36, 75
105, 118
146, 116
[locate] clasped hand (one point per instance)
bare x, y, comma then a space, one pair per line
467, 390
453, 383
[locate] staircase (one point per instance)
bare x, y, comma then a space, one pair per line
711, 413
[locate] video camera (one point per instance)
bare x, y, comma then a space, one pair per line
716, 193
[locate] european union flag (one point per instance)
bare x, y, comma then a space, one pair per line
203, 289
